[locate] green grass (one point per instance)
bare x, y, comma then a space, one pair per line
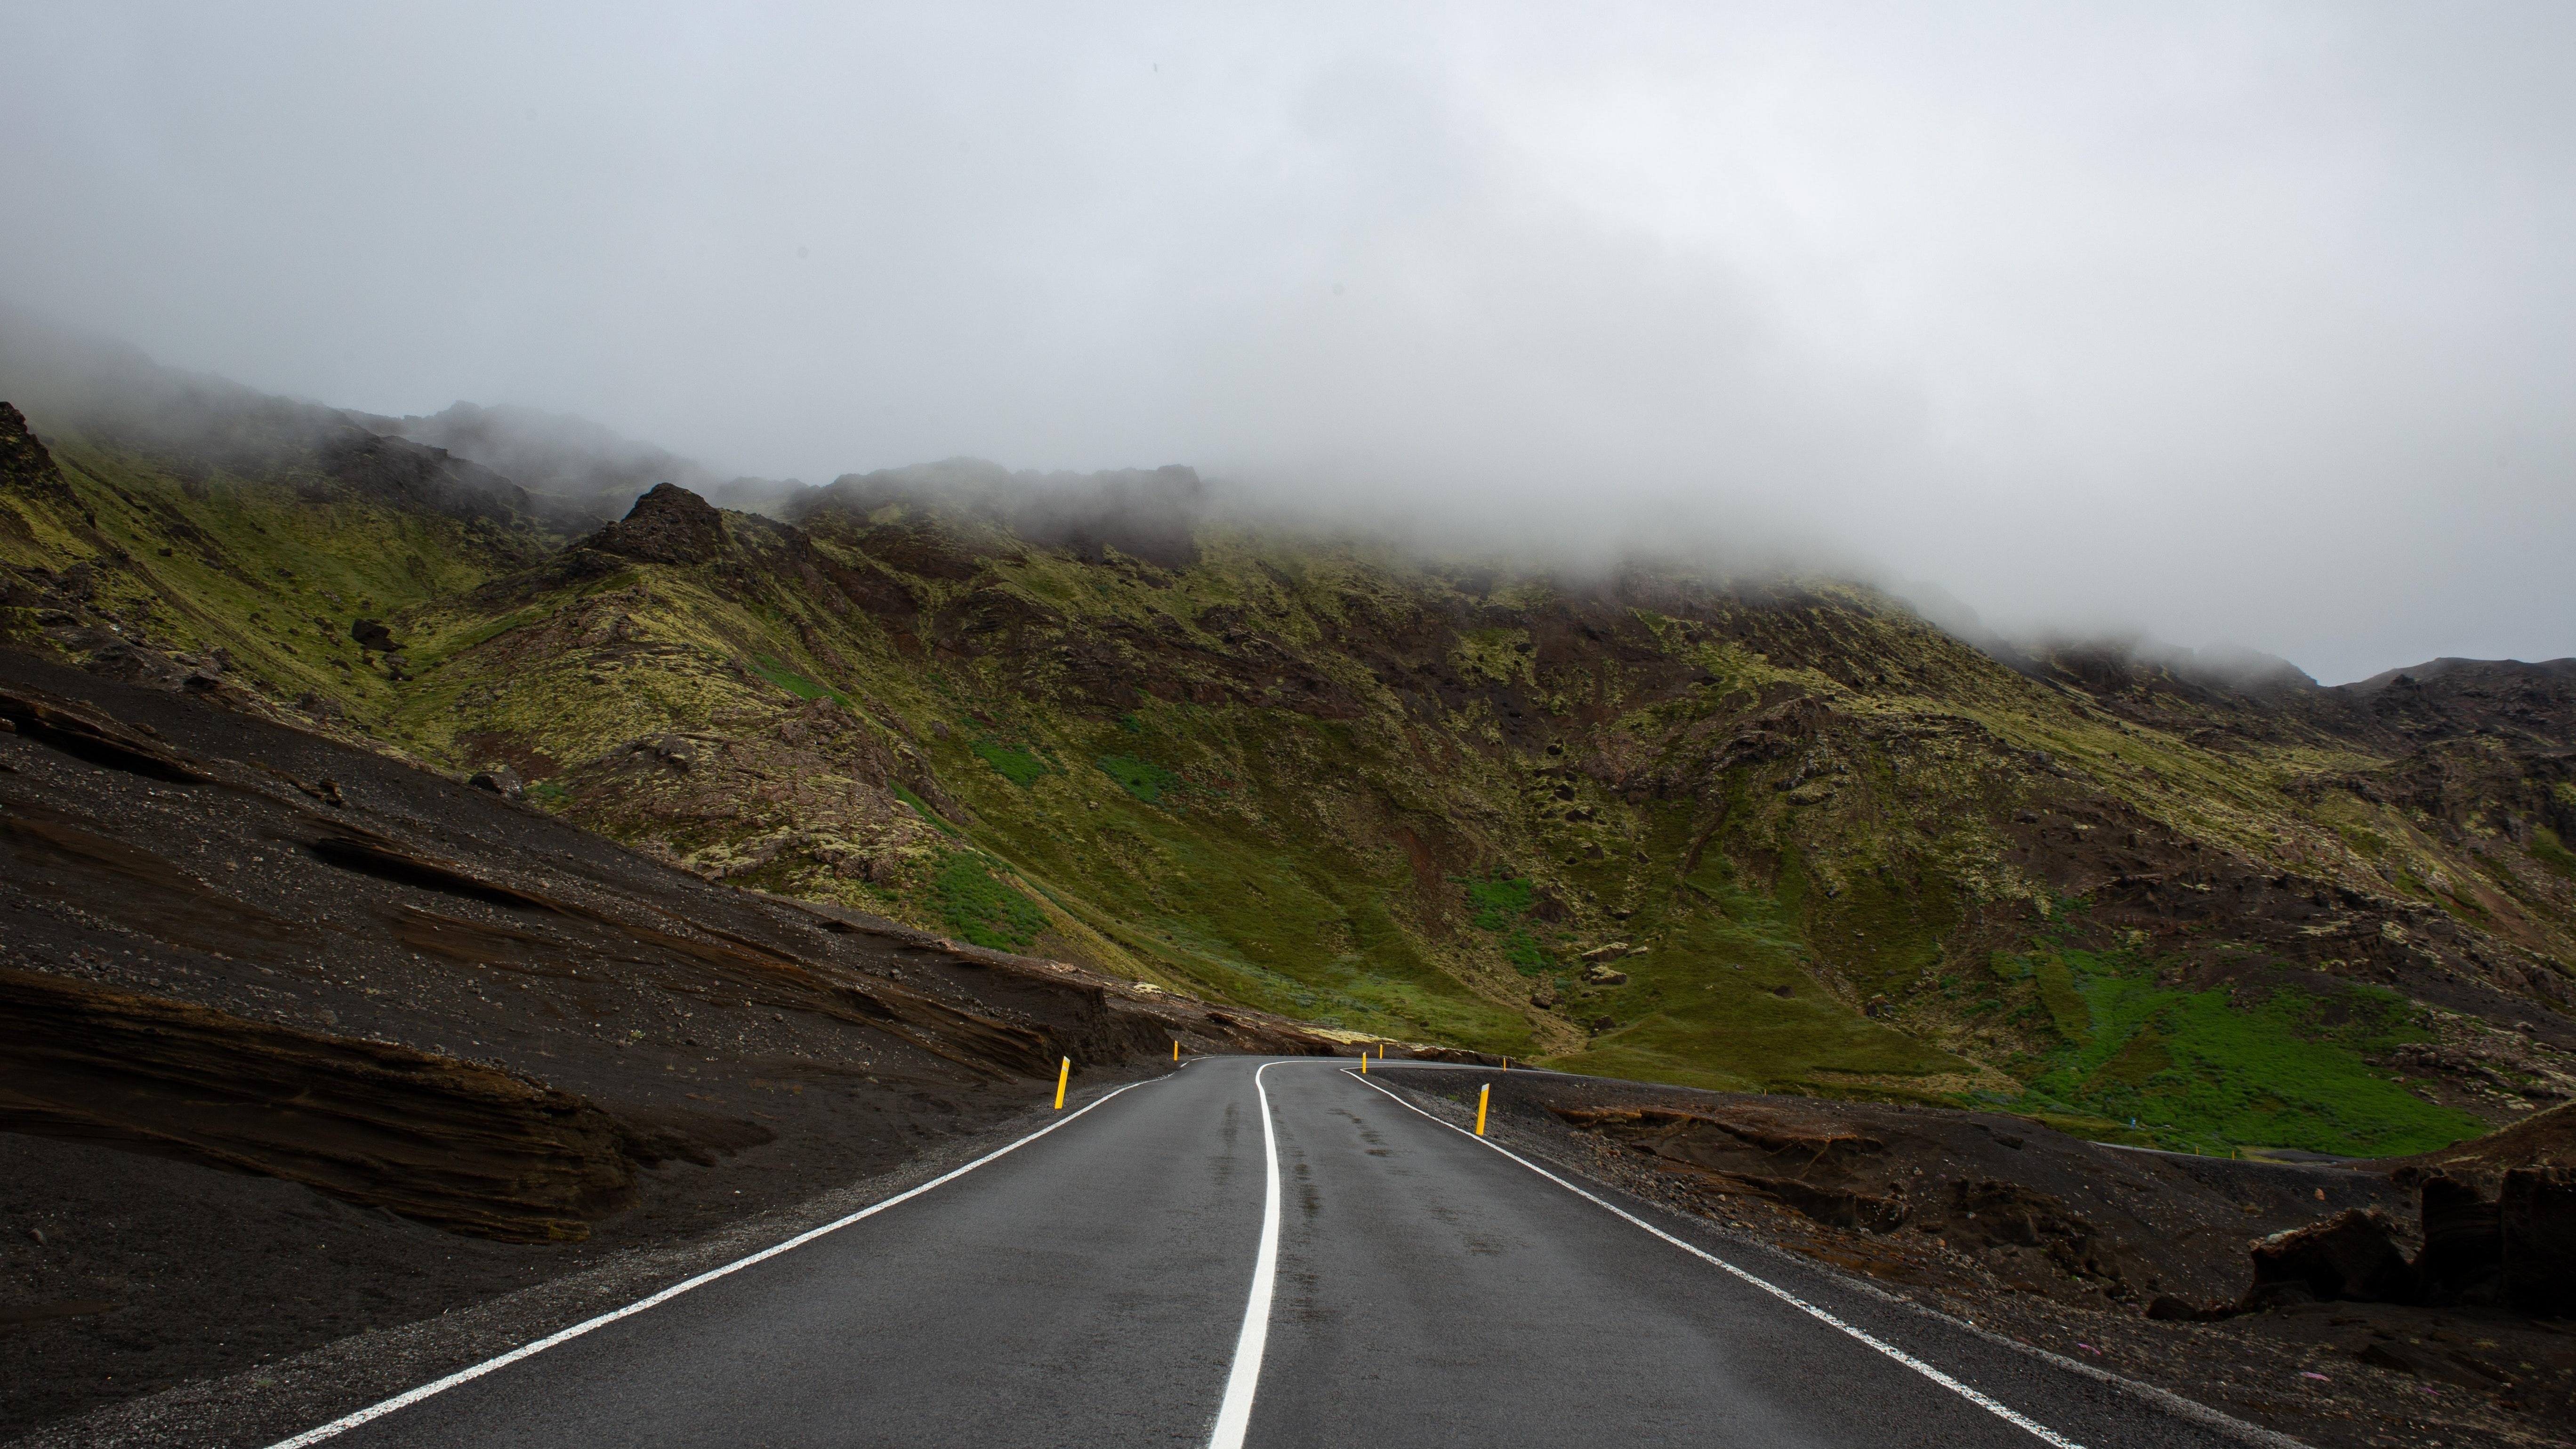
1256, 897
2550, 851
270, 570
1882, 929
1311, 873
922, 808
1525, 953
1143, 779
1721, 1001
793, 682
1012, 763
2207, 1070
2067, 1009
980, 908
1499, 902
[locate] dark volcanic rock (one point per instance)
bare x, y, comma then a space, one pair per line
2352, 1255
2537, 1221
668, 525
403, 472
2450, 698
24, 463
2519, 1249
2463, 1240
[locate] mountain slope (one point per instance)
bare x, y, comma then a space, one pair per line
1766, 833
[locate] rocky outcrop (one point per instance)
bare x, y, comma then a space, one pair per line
2517, 1250
2536, 1225
2352, 1255
668, 525
404, 473
25, 465
1894, 815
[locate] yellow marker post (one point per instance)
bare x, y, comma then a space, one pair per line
1063, 1074
1176, 1049
1483, 1093
1364, 1064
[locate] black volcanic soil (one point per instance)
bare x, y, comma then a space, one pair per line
2061, 1244
126, 1273
297, 1041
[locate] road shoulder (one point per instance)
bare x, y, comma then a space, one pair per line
260, 1406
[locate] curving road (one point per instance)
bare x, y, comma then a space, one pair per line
1104, 1283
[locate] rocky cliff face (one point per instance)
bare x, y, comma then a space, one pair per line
1820, 843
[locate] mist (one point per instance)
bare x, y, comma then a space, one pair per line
2229, 324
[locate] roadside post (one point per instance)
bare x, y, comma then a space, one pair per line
1063, 1074
1483, 1094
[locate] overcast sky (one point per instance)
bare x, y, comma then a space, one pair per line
2230, 322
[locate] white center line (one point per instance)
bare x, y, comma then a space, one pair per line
1234, 1416
2041, 1431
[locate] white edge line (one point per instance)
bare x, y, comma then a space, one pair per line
409, 1397
2040, 1431
2163, 1398
1234, 1414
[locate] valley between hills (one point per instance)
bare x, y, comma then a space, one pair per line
458, 875
1743, 834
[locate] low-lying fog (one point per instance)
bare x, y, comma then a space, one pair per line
2228, 322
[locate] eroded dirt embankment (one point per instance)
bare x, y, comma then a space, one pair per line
355, 1043
458, 1144
2240, 1284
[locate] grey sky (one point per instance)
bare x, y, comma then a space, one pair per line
2229, 322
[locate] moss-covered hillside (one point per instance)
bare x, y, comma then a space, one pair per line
1782, 834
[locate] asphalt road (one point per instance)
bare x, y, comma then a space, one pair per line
1092, 1287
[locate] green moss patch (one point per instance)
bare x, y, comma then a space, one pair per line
1723, 1000
793, 682
1499, 902
2209, 1070
1143, 779
1012, 763
2550, 851
2066, 1007
980, 908
922, 808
